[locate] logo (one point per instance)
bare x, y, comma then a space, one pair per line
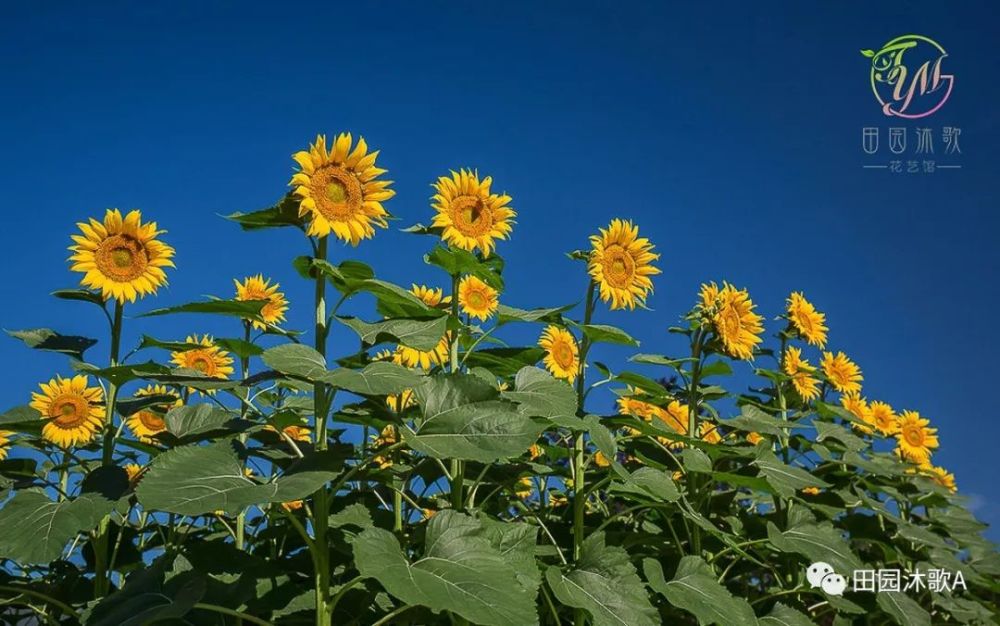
822, 575
907, 76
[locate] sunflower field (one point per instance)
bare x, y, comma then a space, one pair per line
434, 472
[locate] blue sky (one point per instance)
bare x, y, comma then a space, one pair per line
730, 133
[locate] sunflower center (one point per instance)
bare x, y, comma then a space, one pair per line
337, 192
563, 354
69, 410
121, 258
152, 421
202, 362
471, 216
914, 436
477, 300
731, 321
619, 266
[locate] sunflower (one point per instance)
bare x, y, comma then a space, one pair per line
884, 418
535, 451
738, 327
754, 438
339, 190
600, 460
621, 263
429, 295
385, 438
259, 288
401, 401
941, 476
147, 423
562, 356
811, 491
524, 488
476, 298
675, 416
5, 436
708, 296
292, 506
471, 217
710, 433
72, 409
801, 372
424, 359
916, 440
207, 358
121, 256
843, 373
295, 432
134, 473
807, 320
858, 407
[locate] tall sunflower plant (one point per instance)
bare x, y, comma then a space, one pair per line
429, 471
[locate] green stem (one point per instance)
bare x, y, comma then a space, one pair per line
321, 506
693, 480
224, 611
241, 519
579, 492
59, 604
101, 581
457, 469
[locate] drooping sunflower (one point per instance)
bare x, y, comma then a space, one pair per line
424, 359
259, 288
621, 263
915, 440
708, 296
72, 409
858, 407
737, 326
805, 384
5, 436
148, 423
809, 322
207, 358
476, 298
431, 296
884, 418
470, 215
562, 356
941, 476
121, 257
843, 373
339, 189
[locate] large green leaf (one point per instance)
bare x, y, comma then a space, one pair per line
649, 484
393, 301
20, 415
246, 309
375, 379
817, 542
285, 212
515, 542
782, 615
36, 529
184, 421
295, 359
507, 314
419, 334
541, 395
456, 262
903, 608
604, 583
785, 479
461, 571
504, 361
51, 341
147, 599
601, 333
695, 589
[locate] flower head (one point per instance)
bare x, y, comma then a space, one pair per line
206, 358
915, 440
5, 436
805, 384
884, 418
621, 264
424, 359
429, 295
476, 298
806, 320
72, 409
259, 288
339, 189
843, 373
562, 356
738, 327
146, 423
941, 476
858, 407
121, 257
470, 215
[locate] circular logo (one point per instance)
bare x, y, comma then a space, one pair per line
907, 76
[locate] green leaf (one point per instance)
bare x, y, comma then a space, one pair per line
601, 436
504, 362
295, 359
245, 309
457, 262
419, 334
51, 341
507, 314
145, 599
282, 214
785, 479
696, 461
695, 589
460, 572
36, 529
903, 608
80, 295
185, 421
516, 543
826, 430
650, 484
600, 333
121, 374
20, 415
375, 379
817, 542
240, 347
752, 419
395, 301
868, 53
541, 395
782, 615
604, 583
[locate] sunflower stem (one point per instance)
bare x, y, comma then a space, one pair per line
579, 493
693, 480
321, 507
457, 470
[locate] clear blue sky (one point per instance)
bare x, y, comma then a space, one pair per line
731, 134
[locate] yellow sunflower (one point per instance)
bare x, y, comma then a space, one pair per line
476, 298
535, 451
675, 416
399, 402
295, 432
811, 491
471, 217
807, 320
843, 373
884, 418
941, 476
621, 263
562, 356
858, 407
710, 433
708, 296
72, 409
429, 295
5, 436
738, 327
524, 488
134, 473
292, 506
600, 460
147, 423
208, 359
424, 359
339, 189
754, 438
915, 440
801, 372
259, 288
121, 256
384, 439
